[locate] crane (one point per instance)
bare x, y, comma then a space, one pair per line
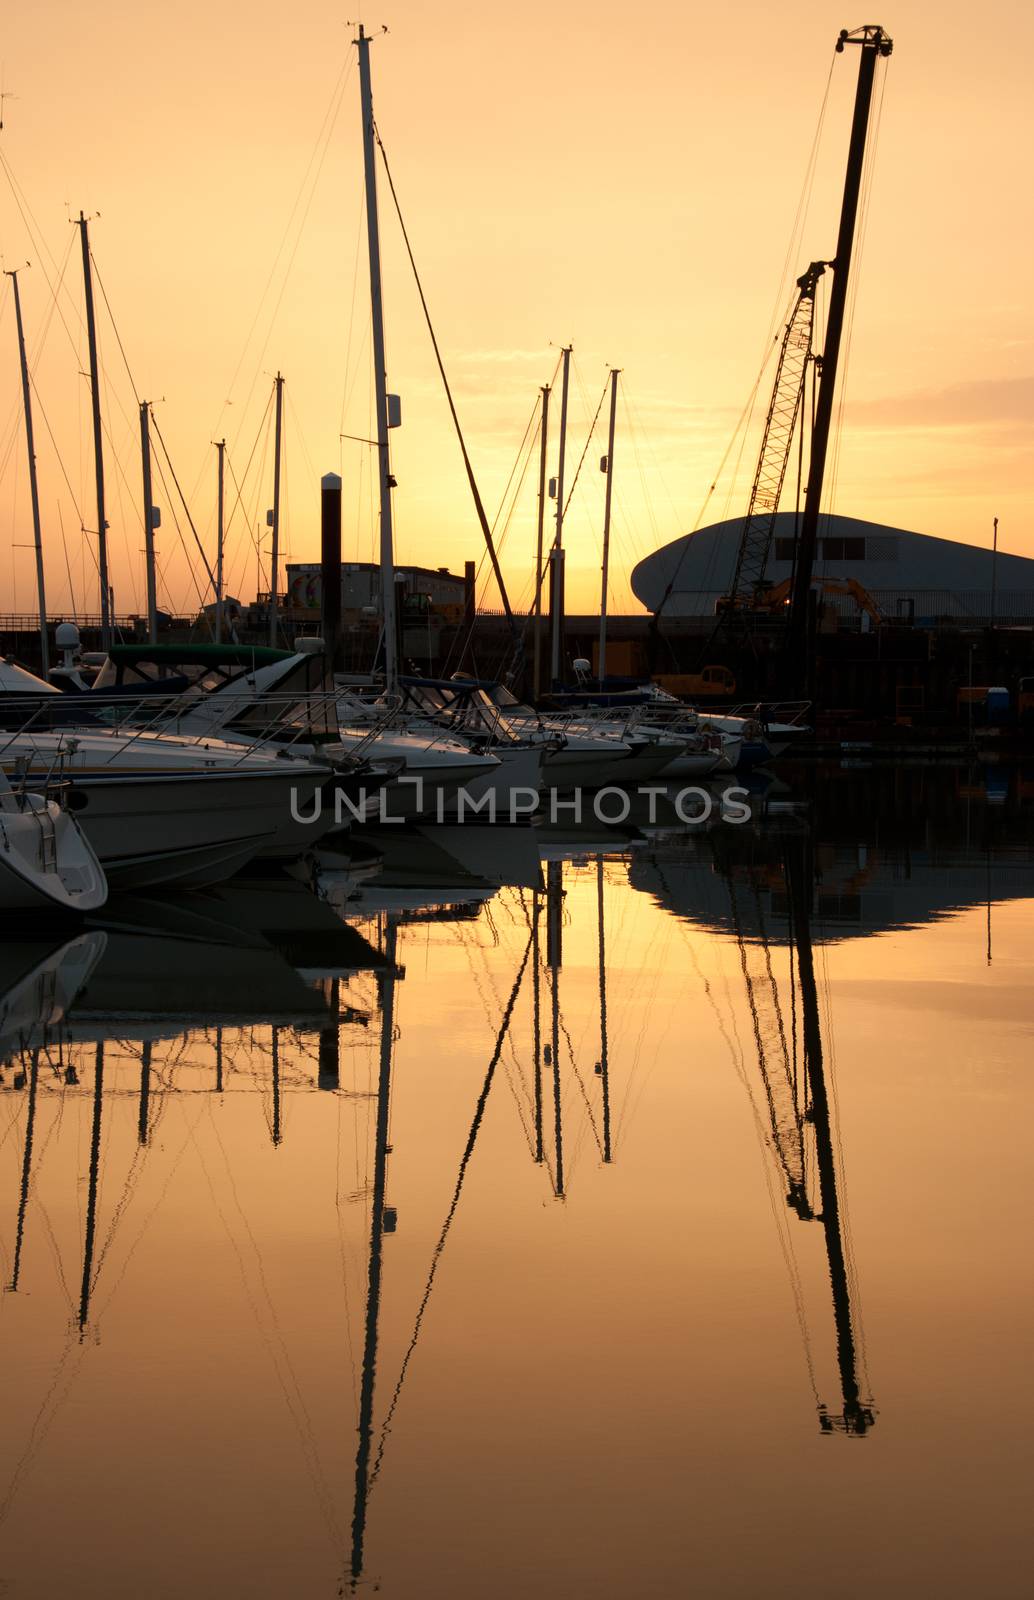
785, 1095
795, 356
797, 1103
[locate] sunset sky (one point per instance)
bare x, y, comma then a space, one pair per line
623, 181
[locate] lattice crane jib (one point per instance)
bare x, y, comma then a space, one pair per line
785, 1101
777, 442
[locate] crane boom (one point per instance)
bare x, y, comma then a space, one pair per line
785, 1096
776, 443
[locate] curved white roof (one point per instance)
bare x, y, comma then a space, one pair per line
684, 577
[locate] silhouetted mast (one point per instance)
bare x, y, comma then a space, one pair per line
329, 1070
98, 449
149, 524
543, 496
274, 560
373, 1292
556, 588
604, 1063
874, 44
90, 1236
607, 466
536, 1005
385, 480
34, 486
277, 1130
220, 537
23, 1192
554, 955
143, 1118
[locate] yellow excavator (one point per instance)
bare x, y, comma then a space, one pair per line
774, 599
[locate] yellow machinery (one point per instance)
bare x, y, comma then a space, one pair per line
776, 598
714, 683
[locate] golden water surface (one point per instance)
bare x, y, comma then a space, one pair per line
662, 1231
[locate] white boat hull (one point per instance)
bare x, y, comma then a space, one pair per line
695, 764
505, 793
188, 830
46, 864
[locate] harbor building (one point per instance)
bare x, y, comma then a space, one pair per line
433, 589
912, 577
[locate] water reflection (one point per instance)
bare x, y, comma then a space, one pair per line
547, 1039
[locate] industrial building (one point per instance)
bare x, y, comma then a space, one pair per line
912, 577
433, 589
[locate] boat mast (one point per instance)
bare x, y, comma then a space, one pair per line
219, 537
387, 482
275, 556
373, 1291
556, 594
98, 450
874, 43
90, 1236
149, 524
555, 958
329, 1071
143, 1121
23, 1191
33, 485
536, 1004
607, 465
543, 443
276, 1131
604, 1066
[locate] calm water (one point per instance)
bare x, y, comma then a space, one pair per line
658, 1231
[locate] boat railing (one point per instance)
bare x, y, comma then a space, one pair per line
485, 727
281, 723
792, 712
287, 721
272, 724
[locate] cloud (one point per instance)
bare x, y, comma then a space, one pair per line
983, 402
493, 358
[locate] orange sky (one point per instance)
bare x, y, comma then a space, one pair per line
567, 174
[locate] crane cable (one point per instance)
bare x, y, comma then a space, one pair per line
772, 338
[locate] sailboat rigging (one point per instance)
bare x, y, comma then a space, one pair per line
365, 1476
